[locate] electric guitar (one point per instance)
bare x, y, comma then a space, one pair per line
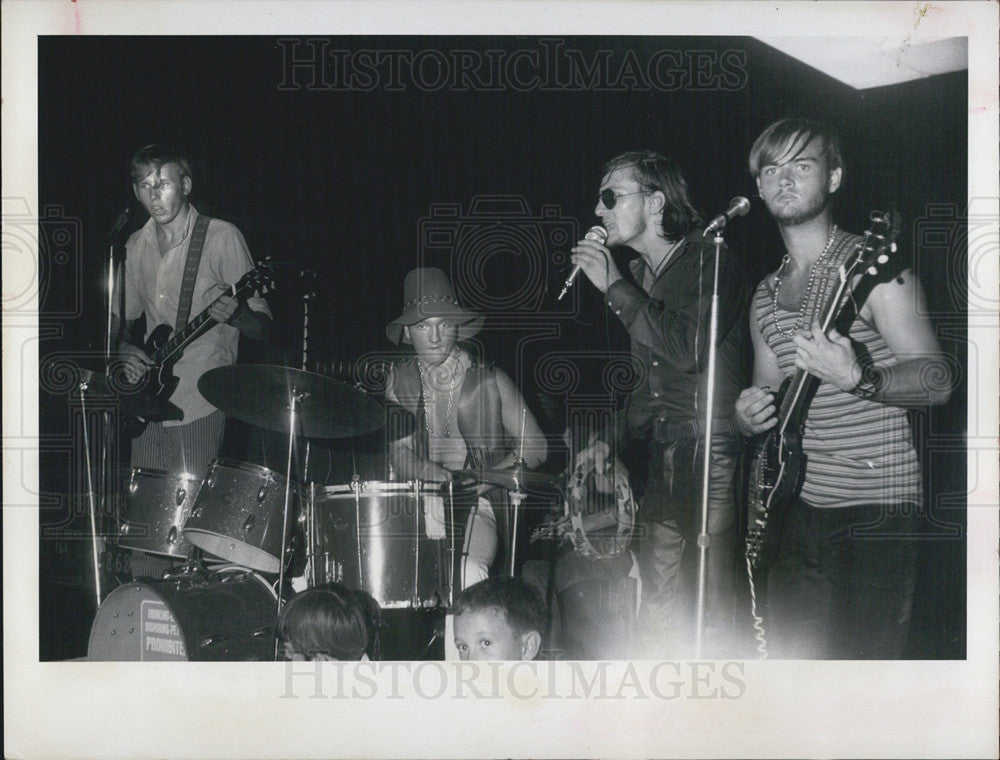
777, 463
165, 350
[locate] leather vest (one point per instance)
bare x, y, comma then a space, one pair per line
479, 412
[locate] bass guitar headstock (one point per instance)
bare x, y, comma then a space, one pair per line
876, 251
260, 279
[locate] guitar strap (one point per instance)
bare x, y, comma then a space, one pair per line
191, 270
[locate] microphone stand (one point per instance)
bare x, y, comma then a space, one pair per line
704, 540
114, 278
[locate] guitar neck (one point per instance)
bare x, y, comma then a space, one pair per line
178, 341
193, 329
799, 387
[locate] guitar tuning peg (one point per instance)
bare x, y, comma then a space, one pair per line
883, 258
873, 270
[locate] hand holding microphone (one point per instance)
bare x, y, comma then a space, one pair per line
598, 234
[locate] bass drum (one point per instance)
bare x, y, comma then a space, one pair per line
157, 507
226, 614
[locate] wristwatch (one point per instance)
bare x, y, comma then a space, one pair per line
870, 384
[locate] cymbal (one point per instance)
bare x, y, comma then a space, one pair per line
132, 400
261, 394
513, 479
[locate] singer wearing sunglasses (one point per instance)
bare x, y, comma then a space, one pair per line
664, 300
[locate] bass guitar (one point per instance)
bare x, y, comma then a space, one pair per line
165, 350
777, 463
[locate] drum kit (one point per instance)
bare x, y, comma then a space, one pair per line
396, 541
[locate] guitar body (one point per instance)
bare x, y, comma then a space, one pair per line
777, 468
160, 382
166, 347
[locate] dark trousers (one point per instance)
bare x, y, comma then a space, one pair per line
669, 554
842, 586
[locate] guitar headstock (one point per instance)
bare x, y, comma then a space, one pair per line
259, 279
879, 242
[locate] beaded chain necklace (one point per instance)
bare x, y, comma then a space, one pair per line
807, 296
429, 386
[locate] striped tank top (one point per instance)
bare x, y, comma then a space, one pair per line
857, 451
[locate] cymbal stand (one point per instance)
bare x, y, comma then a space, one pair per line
310, 514
115, 287
450, 531
91, 496
294, 399
517, 496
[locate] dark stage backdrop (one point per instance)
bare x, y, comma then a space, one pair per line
358, 158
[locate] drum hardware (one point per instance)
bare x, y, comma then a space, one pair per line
130, 402
517, 481
292, 401
516, 499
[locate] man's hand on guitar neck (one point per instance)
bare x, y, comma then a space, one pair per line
755, 411
226, 309
829, 356
225, 306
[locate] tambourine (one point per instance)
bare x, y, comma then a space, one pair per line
601, 511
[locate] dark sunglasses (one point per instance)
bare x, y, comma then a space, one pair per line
609, 199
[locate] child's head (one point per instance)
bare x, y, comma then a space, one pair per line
323, 623
499, 618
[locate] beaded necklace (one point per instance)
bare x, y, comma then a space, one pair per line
807, 296
428, 386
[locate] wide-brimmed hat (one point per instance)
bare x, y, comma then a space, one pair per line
427, 292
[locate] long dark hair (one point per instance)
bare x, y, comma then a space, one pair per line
657, 172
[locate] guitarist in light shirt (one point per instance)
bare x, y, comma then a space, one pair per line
156, 255
834, 592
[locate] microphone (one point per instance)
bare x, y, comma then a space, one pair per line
119, 222
598, 234
738, 206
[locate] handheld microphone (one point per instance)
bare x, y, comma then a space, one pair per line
738, 206
119, 222
598, 234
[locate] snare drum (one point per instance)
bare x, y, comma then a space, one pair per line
239, 513
227, 614
157, 506
387, 539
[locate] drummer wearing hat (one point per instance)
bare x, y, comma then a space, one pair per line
469, 415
